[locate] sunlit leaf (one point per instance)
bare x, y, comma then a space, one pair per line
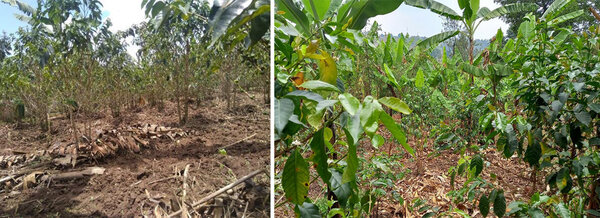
396, 104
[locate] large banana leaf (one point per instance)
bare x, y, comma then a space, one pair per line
294, 14
555, 8
27, 10
437, 39
226, 12
435, 7
259, 19
508, 9
320, 7
473, 70
424, 4
474, 6
566, 17
482, 12
443, 10
22, 6
260, 25
362, 10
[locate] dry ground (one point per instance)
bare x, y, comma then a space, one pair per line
430, 181
150, 181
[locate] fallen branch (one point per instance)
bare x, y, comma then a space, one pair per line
163, 179
76, 174
235, 143
217, 193
2, 180
185, 187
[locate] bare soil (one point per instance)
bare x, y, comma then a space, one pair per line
148, 182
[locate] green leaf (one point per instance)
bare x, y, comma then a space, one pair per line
157, 8
474, 5
362, 10
584, 117
462, 4
325, 104
318, 85
369, 115
594, 107
260, 24
436, 39
556, 7
566, 17
512, 142
284, 108
562, 210
484, 205
420, 79
390, 75
377, 141
308, 210
295, 178
333, 9
536, 213
470, 69
500, 121
294, 14
396, 104
563, 178
24, 7
443, 10
500, 204
354, 126
351, 160
526, 29
477, 163
396, 131
510, 9
316, 119
224, 15
308, 95
533, 153
340, 188
424, 4
321, 7
349, 102
317, 145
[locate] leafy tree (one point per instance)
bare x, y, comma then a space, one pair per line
459, 44
472, 15
578, 24
5, 45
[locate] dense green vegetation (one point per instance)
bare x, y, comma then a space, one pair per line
67, 61
339, 87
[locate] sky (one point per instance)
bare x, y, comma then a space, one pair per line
422, 22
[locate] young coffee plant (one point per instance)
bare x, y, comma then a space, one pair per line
319, 123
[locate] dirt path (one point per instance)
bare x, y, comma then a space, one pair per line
151, 181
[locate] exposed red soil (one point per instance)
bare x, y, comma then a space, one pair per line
149, 182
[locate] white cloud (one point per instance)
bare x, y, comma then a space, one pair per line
124, 14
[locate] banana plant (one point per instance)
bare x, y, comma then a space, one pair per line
351, 14
315, 58
226, 17
472, 15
